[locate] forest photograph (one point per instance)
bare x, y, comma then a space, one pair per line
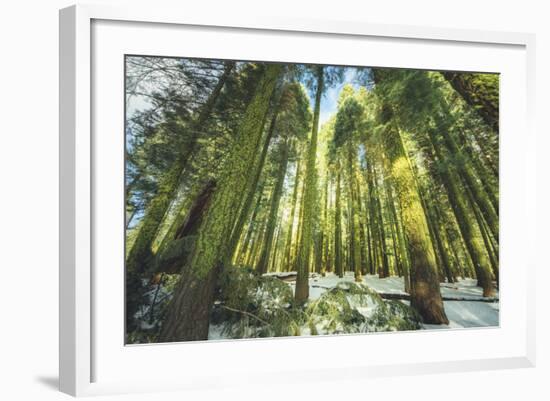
275, 199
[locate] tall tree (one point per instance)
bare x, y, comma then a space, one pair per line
187, 318
310, 193
263, 262
425, 290
140, 252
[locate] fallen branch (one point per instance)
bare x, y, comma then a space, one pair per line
285, 276
244, 313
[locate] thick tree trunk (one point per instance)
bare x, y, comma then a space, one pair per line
188, 312
174, 255
254, 177
425, 291
479, 91
140, 253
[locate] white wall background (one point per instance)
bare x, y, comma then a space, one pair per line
29, 186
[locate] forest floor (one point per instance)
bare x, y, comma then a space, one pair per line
466, 307
470, 312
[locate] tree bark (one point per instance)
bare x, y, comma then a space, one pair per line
310, 182
479, 91
254, 178
425, 290
187, 315
140, 253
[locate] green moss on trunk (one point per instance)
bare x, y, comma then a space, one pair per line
425, 291
310, 195
187, 314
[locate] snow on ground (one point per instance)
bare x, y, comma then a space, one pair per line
461, 314
215, 333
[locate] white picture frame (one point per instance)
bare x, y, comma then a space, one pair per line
82, 346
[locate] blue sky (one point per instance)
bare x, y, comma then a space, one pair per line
329, 102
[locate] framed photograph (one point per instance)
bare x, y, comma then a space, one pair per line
293, 199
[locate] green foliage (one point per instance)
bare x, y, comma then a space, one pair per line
348, 121
251, 306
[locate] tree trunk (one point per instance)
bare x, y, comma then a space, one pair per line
425, 291
479, 91
288, 245
465, 222
384, 270
188, 312
338, 228
243, 250
466, 173
263, 262
140, 253
310, 182
254, 177
173, 256
355, 251
362, 238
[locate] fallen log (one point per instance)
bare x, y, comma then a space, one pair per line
284, 276
407, 297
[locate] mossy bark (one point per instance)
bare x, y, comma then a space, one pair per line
175, 253
188, 312
425, 290
140, 253
253, 184
481, 91
310, 194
